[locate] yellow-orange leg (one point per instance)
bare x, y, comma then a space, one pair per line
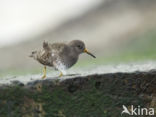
44, 72
61, 74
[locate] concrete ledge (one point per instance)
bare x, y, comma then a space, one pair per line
98, 95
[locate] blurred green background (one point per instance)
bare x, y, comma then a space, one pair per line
116, 31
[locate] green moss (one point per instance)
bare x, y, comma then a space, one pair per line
58, 101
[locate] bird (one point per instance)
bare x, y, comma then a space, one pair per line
60, 56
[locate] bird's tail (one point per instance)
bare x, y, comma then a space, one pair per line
46, 45
32, 53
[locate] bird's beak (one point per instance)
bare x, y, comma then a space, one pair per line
86, 51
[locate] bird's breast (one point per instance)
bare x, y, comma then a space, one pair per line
69, 61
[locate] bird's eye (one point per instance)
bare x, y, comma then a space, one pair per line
79, 46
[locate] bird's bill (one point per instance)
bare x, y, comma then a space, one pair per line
86, 51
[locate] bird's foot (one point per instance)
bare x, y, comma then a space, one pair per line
61, 74
44, 72
44, 76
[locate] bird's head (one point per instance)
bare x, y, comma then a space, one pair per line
33, 54
80, 47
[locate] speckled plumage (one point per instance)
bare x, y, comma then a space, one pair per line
61, 56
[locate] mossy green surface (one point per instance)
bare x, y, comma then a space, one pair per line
91, 100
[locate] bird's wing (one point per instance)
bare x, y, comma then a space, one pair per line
58, 53
46, 46
59, 49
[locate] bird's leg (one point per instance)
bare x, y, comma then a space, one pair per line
61, 74
44, 72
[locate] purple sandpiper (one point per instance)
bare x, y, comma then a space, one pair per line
60, 56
